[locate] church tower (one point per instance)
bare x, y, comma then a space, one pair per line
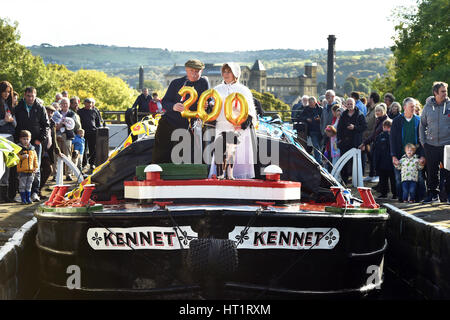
258, 77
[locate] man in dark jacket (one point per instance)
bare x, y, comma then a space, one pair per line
31, 116
311, 116
298, 108
172, 119
350, 129
90, 122
142, 101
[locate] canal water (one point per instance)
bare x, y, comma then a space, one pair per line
395, 288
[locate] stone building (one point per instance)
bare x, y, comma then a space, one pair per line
255, 77
288, 90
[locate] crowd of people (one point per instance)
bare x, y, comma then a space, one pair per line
44, 131
402, 144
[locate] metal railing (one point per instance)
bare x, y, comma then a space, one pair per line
115, 115
118, 117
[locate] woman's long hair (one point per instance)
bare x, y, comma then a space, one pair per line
3, 86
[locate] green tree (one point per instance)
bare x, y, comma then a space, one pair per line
421, 48
20, 67
363, 85
354, 81
386, 82
348, 87
110, 93
153, 86
270, 103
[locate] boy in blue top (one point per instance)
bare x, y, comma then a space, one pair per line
78, 148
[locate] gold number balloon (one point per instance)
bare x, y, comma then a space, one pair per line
243, 114
201, 112
193, 95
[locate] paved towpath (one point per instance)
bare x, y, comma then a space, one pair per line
14, 215
436, 213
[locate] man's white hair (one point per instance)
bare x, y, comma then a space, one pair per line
352, 100
65, 99
330, 92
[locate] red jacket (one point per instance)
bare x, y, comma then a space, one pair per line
153, 106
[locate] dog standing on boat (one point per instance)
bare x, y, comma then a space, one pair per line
225, 153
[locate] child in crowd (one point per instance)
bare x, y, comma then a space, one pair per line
155, 105
336, 110
382, 161
409, 166
332, 152
27, 166
78, 148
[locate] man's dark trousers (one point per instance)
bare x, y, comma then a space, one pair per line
434, 156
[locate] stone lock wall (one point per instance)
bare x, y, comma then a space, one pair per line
19, 271
419, 252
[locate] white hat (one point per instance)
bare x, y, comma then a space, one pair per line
235, 68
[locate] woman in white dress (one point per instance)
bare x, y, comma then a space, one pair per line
245, 150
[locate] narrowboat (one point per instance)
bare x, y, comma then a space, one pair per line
167, 231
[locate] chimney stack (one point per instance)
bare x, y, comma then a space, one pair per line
331, 81
141, 78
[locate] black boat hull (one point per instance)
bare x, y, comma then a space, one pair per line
219, 267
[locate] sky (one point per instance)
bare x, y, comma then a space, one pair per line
206, 25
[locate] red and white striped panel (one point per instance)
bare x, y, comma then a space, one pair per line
213, 189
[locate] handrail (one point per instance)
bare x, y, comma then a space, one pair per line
118, 117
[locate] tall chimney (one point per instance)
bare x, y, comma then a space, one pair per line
331, 81
141, 78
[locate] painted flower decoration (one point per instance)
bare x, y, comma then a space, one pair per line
96, 238
331, 238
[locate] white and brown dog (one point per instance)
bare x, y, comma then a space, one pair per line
225, 153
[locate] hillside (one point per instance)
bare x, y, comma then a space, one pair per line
125, 61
